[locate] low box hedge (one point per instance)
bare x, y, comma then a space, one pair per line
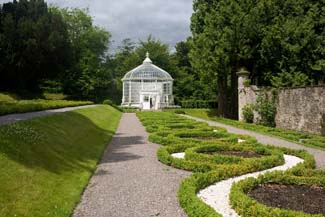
269, 157
249, 207
177, 134
202, 163
189, 187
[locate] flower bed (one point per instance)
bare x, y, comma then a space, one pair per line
246, 205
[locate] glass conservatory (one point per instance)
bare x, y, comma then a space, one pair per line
147, 87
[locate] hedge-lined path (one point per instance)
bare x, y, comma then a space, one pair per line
130, 181
318, 154
12, 118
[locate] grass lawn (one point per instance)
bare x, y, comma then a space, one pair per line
46, 162
10, 103
305, 139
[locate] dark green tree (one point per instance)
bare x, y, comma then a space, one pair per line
34, 45
280, 42
89, 45
188, 84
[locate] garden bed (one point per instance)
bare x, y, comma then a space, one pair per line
214, 155
292, 197
244, 154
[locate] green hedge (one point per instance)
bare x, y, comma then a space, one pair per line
178, 134
249, 207
189, 187
199, 104
305, 139
23, 106
202, 162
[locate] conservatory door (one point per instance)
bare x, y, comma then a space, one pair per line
146, 102
149, 100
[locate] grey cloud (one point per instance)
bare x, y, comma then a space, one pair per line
167, 20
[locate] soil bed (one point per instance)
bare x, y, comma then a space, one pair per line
309, 199
181, 127
202, 137
244, 154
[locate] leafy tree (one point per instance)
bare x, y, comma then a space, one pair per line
118, 64
275, 40
89, 45
159, 53
34, 45
188, 84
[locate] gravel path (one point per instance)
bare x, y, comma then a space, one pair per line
130, 181
12, 118
318, 154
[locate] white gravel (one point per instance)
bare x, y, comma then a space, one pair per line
180, 155
217, 195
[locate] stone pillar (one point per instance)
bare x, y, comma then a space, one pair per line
123, 99
242, 77
322, 132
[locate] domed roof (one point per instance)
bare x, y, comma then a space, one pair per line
147, 71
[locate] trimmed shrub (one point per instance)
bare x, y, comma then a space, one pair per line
179, 134
249, 207
199, 104
248, 113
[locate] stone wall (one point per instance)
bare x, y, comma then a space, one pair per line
246, 94
301, 109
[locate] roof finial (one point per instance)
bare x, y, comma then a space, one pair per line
147, 60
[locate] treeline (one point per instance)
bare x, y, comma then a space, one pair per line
188, 84
280, 42
60, 50
50, 49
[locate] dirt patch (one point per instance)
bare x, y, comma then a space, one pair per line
245, 154
309, 199
181, 127
202, 137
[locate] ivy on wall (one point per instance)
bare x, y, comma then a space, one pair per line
265, 108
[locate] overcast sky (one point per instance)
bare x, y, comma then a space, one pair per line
167, 20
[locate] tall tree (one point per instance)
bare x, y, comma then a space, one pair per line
275, 40
188, 84
89, 46
34, 45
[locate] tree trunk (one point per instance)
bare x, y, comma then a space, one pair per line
222, 96
233, 107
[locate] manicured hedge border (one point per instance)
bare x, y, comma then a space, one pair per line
206, 171
249, 207
204, 163
189, 187
23, 106
268, 157
305, 139
169, 137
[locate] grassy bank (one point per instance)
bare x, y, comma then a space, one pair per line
46, 162
305, 139
12, 104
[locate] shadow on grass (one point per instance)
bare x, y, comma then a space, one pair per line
58, 143
212, 113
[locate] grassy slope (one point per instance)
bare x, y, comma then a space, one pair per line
45, 163
10, 103
305, 139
